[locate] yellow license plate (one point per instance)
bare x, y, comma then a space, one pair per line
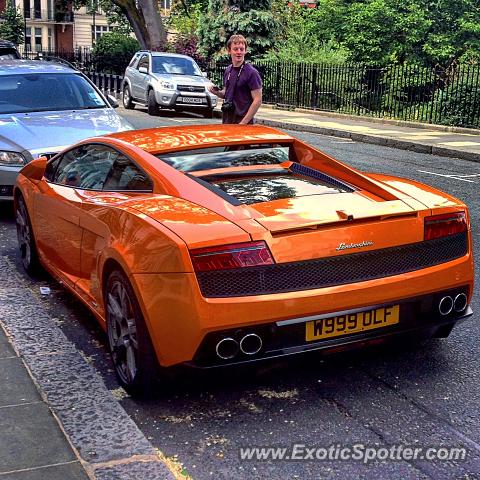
352, 323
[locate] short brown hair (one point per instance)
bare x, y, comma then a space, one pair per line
237, 39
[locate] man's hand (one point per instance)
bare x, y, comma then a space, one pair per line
216, 91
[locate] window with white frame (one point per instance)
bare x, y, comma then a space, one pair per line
99, 30
165, 5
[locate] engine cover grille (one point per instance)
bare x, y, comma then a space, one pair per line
339, 270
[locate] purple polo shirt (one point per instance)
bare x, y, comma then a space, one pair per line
239, 88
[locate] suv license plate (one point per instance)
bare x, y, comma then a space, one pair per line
190, 100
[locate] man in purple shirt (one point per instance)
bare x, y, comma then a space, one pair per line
242, 91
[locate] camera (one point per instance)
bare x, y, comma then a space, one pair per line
228, 106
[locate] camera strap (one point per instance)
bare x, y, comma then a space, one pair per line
238, 76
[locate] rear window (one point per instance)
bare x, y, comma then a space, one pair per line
225, 157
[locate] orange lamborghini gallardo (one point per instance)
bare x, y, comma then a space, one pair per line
221, 244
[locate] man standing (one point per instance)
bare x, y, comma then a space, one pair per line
242, 90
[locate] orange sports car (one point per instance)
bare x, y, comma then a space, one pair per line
221, 244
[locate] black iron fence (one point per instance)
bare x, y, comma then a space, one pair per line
411, 93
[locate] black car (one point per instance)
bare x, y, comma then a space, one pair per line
8, 50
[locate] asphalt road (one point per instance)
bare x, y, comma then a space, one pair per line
426, 395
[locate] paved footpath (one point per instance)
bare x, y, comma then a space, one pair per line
424, 138
57, 418
58, 421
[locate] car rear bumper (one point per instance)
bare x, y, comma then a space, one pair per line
417, 320
181, 321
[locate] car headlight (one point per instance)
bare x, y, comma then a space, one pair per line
11, 158
166, 85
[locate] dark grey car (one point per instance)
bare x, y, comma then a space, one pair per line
8, 51
167, 80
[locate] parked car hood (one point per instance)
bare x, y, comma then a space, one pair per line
182, 79
43, 132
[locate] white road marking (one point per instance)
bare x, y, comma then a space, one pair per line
456, 176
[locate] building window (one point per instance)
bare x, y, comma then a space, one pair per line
165, 5
28, 38
50, 40
99, 30
26, 8
38, 39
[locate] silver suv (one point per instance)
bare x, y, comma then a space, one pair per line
45, 107
167, 80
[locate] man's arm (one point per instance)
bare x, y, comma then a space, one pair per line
257, 101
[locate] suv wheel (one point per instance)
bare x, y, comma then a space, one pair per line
208, 113
152, 105
127, 98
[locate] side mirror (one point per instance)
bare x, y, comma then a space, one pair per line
143, 69
35, 169
204, 74
112, 101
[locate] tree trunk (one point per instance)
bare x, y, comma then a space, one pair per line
146, 22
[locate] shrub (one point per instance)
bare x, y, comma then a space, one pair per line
112, 52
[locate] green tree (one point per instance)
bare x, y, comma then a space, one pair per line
12, 27
307, 34
113, 51
253, 19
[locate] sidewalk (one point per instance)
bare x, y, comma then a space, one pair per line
435, 139
58, 420
32, 445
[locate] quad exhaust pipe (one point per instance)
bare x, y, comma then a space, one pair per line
228, 348
448, 304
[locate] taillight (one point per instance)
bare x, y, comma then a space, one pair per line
438, 226
236, 255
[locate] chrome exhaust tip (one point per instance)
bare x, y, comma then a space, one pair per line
251, 344
227, 348
460, 302
445, 305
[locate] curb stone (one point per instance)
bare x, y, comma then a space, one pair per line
105, 439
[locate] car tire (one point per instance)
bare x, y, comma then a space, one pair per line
208, 113
131, 348
127, 98
152, 105
26, 240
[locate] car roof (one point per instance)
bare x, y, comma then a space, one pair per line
192, 137
166, 54
7, 44
10, 67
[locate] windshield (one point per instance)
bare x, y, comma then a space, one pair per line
37, 92
175, 66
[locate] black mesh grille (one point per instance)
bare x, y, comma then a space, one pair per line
324, 272
190, 88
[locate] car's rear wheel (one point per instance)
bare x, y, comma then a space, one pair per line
127, 98
152, 105
26, 241
130, 345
